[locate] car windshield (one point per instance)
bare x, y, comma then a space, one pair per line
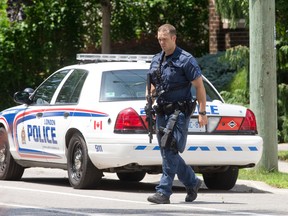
123, 85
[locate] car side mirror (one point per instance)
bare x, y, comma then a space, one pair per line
22, 97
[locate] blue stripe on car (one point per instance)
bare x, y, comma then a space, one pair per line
201, 148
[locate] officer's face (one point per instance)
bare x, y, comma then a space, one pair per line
167, 42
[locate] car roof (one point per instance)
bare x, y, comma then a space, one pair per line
104, 62
104, 66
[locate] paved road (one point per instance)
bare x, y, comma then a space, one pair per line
47, 192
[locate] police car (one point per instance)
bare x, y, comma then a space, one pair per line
89, 119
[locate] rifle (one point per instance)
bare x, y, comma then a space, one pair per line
149, 110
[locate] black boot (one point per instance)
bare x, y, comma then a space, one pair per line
159, 198
192, 192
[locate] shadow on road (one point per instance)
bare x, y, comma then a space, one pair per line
139, 187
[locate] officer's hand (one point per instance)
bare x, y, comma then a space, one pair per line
203, 120
147, 108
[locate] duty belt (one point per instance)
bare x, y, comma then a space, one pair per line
169, 108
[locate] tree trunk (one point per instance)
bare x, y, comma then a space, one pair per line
106, 18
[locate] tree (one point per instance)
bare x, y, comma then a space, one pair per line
106, 20
49, 33
233, 10
48, 38
140, 20
264, 105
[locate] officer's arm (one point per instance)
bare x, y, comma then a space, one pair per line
152, 92
201, 97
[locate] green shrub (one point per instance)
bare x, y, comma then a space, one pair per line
237, 91
282, 112
238, 96
239, 81
218, 72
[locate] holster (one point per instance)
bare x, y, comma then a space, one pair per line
172, 110
166, 134
191, 106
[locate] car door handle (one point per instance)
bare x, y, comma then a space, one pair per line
66, 114
39, 115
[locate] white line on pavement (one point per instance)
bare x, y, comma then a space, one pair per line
128, 201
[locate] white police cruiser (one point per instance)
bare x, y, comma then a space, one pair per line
89, 119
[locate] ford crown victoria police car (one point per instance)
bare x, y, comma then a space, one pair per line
90, 119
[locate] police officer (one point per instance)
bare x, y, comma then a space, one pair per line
173, 71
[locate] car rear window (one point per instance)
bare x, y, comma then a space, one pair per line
122, 85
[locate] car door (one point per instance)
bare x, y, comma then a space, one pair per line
33, 133
57, 117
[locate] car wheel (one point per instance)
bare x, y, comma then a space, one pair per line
9, 169
131, 176
221, 180
81, 172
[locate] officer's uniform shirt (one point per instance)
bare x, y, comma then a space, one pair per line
177, 72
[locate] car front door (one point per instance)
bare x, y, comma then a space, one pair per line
32, 133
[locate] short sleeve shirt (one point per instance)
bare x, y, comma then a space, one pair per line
177, 72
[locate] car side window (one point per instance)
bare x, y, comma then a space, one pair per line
46, 90
70, 91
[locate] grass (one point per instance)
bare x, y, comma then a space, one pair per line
283, 155
274, 179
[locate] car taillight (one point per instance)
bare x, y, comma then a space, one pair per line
249, 122
234, 125
128, 121
229, 124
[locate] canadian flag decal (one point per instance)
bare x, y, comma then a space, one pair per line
97, 125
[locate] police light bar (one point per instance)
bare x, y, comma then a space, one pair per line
113, 57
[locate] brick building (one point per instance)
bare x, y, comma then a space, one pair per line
221, 37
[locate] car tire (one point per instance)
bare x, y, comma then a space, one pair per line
221, 180
131, 176
9, 169
81, 172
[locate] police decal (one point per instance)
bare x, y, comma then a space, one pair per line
43, 134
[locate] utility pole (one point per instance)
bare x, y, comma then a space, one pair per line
263, 84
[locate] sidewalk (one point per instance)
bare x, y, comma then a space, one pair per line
283, 166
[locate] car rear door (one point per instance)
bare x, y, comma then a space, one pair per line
57, 117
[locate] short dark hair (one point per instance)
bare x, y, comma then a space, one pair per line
169, 28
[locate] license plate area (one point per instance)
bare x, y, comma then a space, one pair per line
195, 127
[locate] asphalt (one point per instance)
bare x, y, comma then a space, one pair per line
242, 186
